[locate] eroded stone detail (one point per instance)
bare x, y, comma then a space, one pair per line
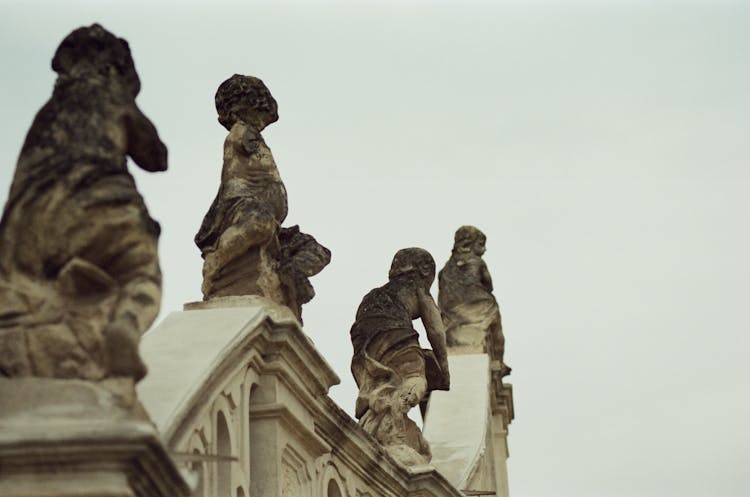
295, 478
301, 257
245, 250
289, 483
470, 312
79, 273
392, 371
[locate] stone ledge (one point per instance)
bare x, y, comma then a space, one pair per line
86, 458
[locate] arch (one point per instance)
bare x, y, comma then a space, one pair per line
333, 489
250, 386
223, 448
252, 454
331, 482
240, 492
255, 454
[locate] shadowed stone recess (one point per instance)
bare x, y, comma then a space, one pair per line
470, 312
392, 371
245, 250
79, 272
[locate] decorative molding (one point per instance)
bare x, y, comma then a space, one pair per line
295, 477
306, 437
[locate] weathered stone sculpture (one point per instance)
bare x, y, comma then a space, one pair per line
245, 250
392, 371
470, 312
79, 273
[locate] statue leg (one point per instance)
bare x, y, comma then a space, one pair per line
256, 228
135, 310
126, 249
408, 362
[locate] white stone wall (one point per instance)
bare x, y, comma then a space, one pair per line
467, 426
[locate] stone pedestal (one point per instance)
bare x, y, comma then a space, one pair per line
82, 459
69, 438
472, 455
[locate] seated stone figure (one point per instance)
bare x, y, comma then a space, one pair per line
245, 250
470, 312
79, 273
238, 236
389, 366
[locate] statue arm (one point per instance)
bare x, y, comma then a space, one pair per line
250, 141
433, 325
485, 277
144, 145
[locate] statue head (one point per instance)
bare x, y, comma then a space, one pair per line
469, 239
246, 99
95, 52
413, 260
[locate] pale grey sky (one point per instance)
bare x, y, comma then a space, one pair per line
602, 147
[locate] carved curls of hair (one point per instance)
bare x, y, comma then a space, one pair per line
413, 259
242, 92
96, 48
465, 238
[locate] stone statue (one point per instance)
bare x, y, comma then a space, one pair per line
470, 312
245, 250
392, 371
79, 273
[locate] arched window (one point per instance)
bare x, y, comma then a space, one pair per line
223, 448
333, 488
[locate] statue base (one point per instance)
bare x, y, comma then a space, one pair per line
116, 459
71, 438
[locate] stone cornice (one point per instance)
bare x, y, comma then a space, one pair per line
501, 395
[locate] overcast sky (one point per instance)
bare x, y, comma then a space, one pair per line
602, 147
